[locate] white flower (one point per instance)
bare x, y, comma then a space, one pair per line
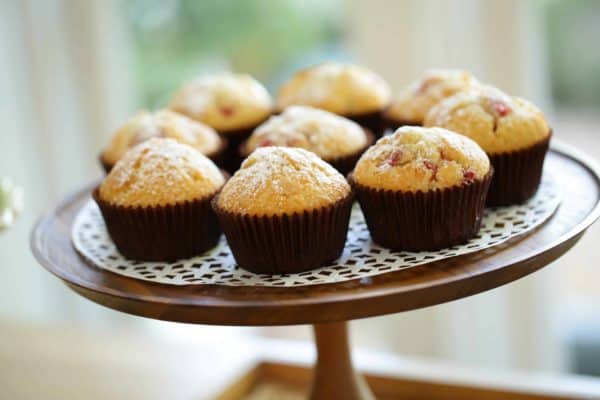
11, 202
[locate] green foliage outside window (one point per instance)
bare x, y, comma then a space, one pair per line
573, 35
175, 40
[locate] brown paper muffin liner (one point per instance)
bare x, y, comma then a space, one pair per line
231, 157
218, 157
517, 174
373, 121
106, 166
423, 221
284, 244
346, 164
161, 233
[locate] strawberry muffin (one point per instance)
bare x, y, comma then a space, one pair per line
284, 211
422, 188
335, 139
156, 201
348, 90
165, 124
232, 104
412, 104
512, 131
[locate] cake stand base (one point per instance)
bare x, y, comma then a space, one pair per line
334, 374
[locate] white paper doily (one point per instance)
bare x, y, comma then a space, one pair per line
361, 258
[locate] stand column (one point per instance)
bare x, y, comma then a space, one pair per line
334, 375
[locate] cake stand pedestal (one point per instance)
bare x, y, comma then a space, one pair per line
329, 306
334, 376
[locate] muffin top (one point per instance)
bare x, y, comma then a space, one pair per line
224, 101
343, 89
496, 121
282, 180
413, 103
421, 159
326, 134
159, 172
162, 123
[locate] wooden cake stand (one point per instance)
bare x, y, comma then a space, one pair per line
328, 306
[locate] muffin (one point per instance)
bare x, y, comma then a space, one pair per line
335, 139
412, 104
156, 201
165, 124
422, 189
348, 90
284, 211
232, 104
512, 131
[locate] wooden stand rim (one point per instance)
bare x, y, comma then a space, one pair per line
403, 290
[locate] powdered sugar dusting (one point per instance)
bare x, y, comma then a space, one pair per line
340, 88
324, 133
413, 103
224, 101
497, 121
278, 180
162, 123
161, 171
416, 158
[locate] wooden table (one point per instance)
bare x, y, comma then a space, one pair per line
328, 306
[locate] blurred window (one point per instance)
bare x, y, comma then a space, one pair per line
174, 40
573, 28
573, 31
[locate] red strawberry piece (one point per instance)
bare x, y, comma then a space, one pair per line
265, 143
431, 166
227, 110
501, 108
395, 158
469, 175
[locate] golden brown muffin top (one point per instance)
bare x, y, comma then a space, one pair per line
282, 180
344, 89
413, 103
225, 101
496, 121
160, 172
421, 159
162, 123
326, 134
